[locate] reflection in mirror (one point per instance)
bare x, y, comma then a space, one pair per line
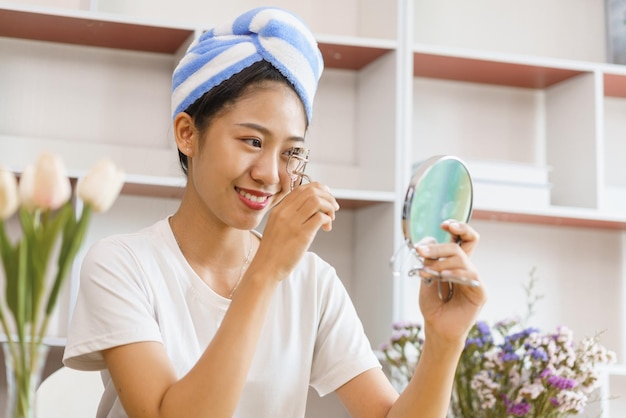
440, 190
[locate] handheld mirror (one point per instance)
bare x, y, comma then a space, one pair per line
440, 190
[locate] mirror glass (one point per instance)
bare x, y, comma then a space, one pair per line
440, 190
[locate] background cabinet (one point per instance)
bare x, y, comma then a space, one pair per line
523, 96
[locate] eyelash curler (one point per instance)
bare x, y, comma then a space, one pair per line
296, 164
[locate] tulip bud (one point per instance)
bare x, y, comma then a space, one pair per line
101, 186
46, 184
26, 186
8, 194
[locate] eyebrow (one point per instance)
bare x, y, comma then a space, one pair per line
266, 131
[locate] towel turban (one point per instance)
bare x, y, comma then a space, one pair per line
265, 33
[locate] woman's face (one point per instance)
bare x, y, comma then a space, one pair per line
238, 167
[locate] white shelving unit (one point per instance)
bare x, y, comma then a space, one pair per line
541, 125
92, 80
543, 129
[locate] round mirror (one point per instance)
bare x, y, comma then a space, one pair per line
440, 190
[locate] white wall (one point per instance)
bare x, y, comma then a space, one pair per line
571, 29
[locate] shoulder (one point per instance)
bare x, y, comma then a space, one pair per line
315, 279
128, 257
129, 245
314, 269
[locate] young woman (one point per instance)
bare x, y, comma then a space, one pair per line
200, 316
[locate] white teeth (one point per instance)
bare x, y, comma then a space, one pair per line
252, 197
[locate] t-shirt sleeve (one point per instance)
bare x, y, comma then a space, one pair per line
113, 306
342, 350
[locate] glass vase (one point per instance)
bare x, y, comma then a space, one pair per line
24, 363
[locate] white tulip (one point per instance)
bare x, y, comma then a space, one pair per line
9, 201
101, 186
45, 185
26, 186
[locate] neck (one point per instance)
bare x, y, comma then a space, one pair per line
221, 260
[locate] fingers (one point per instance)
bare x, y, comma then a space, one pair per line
446, 257
315, 204
451, 259
463, 234
292, 225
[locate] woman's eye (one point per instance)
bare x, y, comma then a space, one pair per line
255, 142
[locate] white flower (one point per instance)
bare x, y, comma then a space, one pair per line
9, 201
485, 388
569, 401
45, 185
532, 390
514, 377
101, 186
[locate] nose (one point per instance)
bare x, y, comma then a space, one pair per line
267, 168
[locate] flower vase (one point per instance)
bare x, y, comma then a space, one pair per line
24, 363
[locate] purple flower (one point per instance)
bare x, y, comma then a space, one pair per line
405, 325
483, 338
483, 328
510, 357
539, 354
521, 335
400, 335
473, 341
561, 383
516, 409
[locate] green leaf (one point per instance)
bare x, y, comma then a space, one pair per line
9, 262
28, 251
73, 237
46, 240
7, 252
19, 309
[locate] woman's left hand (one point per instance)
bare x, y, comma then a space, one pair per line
451, 320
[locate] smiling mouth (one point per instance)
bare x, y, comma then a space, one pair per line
253, 198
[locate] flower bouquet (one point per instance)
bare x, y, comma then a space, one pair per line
36, 264
508, 370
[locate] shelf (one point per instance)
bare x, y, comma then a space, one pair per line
50, 341
153, 186
615, 369
497, 69
350, 54
172, 187
90, 29
554, 216
615, 85
100, 30
351, 199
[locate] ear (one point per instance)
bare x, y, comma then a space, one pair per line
185, 133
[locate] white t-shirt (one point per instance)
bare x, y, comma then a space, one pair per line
139, 287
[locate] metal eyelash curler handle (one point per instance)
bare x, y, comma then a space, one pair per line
302, 177
439, 278
300, 157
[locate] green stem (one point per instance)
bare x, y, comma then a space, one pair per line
25, 375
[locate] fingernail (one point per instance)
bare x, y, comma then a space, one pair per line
423, 250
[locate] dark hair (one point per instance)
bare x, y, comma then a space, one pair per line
227, 92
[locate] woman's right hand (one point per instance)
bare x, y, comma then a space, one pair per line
292, 225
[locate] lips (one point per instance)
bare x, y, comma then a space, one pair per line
255, 200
